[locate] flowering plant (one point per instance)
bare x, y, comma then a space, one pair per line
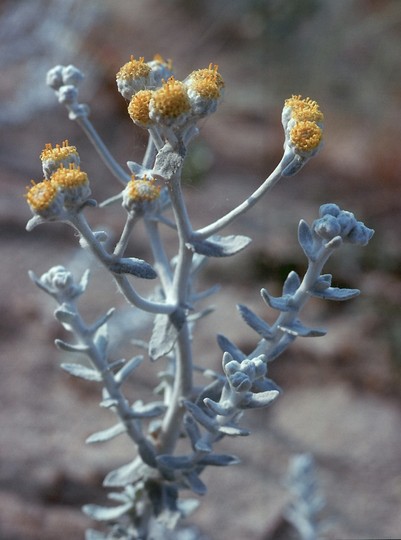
148, 488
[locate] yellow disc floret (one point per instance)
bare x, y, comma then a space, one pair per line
134, 69
170, 101
138, 107
207, 77
142, 190
306, 136
41, 196
304, 109
59, 152
69, 178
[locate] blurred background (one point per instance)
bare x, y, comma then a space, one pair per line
342, 392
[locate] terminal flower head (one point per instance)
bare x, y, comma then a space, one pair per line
60, 155
138, 108
139, 192
302, 121
74, 185
205, 88
170, 104
133, 76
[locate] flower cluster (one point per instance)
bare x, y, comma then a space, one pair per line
302, 121
65, 187
156, 98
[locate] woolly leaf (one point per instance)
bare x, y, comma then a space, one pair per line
147, 452
227, 346
175, 463
335, 293
127, 369
101, 339
70, 347
165, 333
83, 372
255, 322
101, 513
64, 315
322, 283
195, 483
297, 329
262, 399
305, 239
106, 434
219, 460
91, 534
277, 350
292, 283
124, 475
233, 431
136, 267
103, 320
219, 246
147, 411
195, 436
200, 416
222, 409
281, 303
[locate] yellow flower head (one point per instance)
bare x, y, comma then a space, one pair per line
74, 185
138, 108
207, 82
40, 196
139, 192
142, 190
44, 199
303, 109
169, 102
133, 76
69, 178
60, 155
134, 69
305, 136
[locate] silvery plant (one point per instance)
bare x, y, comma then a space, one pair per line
146, 492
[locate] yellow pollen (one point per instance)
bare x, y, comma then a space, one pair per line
40, 196
304, 109
142, 190
134, 69
306, 136
72, 177
210, 74
138, 108
58, 153
171, 99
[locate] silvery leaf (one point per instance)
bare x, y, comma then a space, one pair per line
91, 534
262, 399
299, 330
335, 293
106, 434
101, 513
77, 370
124, 475
127, 369
292, 283
233, 431
305, 239
227, 346
219, 246
195, 483
222, 409
136, 267
322, 283
255, 322
280, 303
200, 416
219, 460
165, 333
70, 347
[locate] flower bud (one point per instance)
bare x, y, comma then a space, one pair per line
162, 70
45, 200
140, 193
205, 89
